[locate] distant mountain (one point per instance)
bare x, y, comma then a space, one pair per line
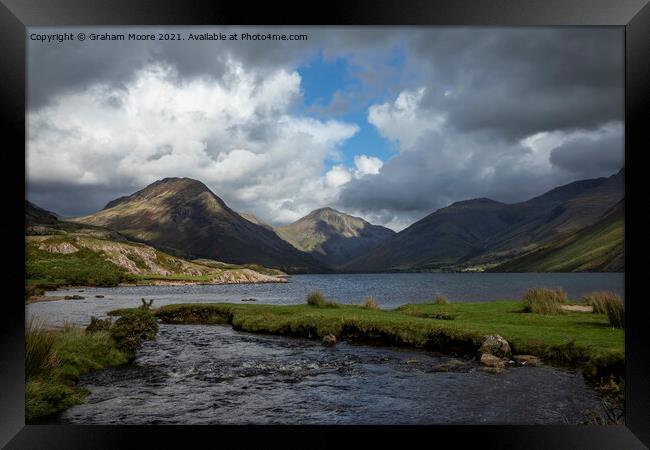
484, 231
256, 220
599, 247
333, 237
182, 216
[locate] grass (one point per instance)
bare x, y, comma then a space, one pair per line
441, 299
608, 303
40, 356
317, 300
571, 338
544, 301
55, 360
84, 267
370, 303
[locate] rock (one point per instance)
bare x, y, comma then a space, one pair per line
489, 360
248, 299
527, 360
330, 339
73, 297
99, 296
495, 345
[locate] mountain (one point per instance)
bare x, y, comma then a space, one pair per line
332, 237
484, 231
596, 248
182, 216
61, 252
256, 220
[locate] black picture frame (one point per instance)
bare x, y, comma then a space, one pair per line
16, 15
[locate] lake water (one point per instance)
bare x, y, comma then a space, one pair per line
200, 374
390, 290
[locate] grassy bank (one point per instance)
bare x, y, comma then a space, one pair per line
55, 359
81, 260
573, 338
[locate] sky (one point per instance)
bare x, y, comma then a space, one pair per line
385, 123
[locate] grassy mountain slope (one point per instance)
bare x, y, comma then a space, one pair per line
597, 247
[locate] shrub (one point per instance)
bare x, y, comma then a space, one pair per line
99, 324
315, 299
40, 354
440, 299
132, 329
609, 303
370, 303
544, 301
598, 299
318, 300
615, 310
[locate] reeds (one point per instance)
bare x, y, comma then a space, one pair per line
40, 355
608, 303
544, 301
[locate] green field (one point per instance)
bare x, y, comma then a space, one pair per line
574, 338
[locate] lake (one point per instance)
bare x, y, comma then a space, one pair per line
390, 290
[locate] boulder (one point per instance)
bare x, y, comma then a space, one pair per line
99, 296
489, 360
527, 360
495, 345
330, 339
73, 297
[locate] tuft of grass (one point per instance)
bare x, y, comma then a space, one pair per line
40, 355
615, 310
319, 301
441, 299
544, 301
608, 303
370, 303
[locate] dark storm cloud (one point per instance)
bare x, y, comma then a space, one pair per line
57, 68
586, 157
517, 82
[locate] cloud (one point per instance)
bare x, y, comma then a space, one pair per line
517, 82
198, 128
367, 165
591, 153
337, 176
404, 120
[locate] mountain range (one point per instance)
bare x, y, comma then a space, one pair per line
555, 231
484, 232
